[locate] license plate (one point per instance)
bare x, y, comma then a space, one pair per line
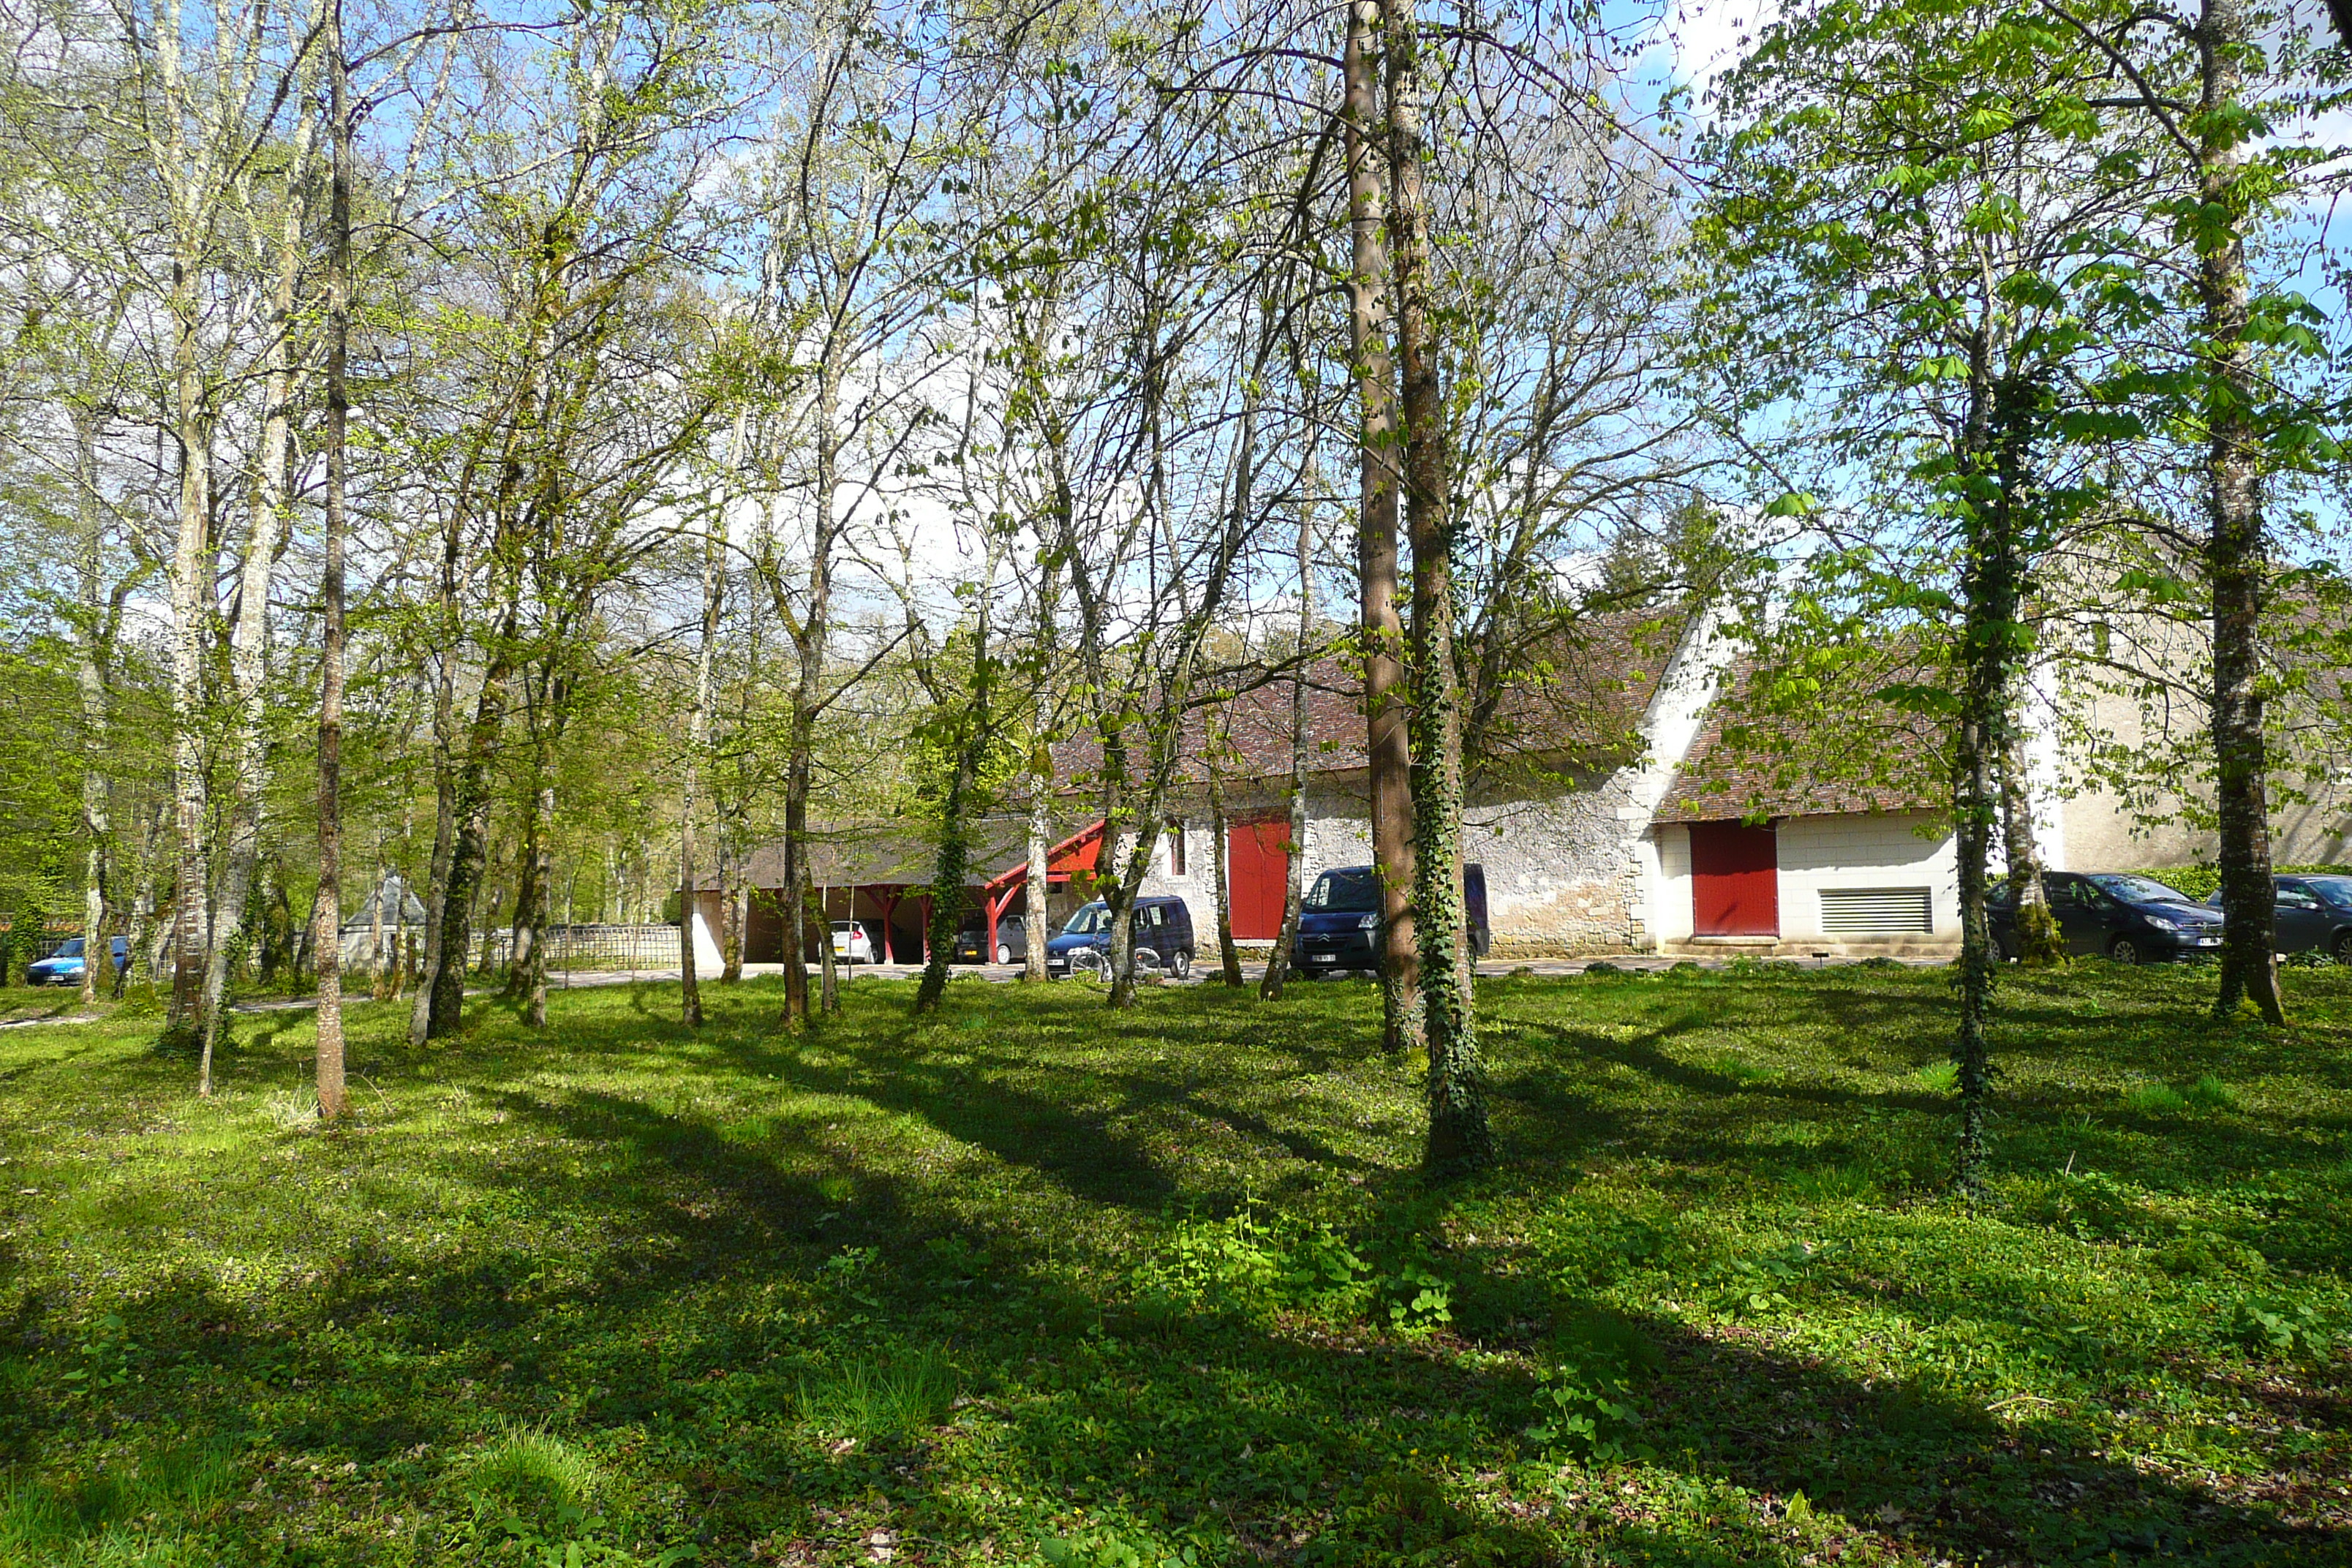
1321, 957
2209, 942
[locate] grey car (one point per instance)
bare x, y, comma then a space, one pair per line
2314, 914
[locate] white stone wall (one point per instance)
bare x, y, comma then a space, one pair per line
1856, 850
1669, 875
1571, 865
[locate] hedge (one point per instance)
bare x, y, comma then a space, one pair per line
2203, 880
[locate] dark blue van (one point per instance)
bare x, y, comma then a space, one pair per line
1339, 922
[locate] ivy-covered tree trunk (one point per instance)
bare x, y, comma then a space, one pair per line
2236, 549
1459, 1136
2039, 942
1387, 747
1994, 473
946, 887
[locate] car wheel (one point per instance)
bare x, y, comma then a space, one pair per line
1003, 952
2004, 948
1181, 966
2342, 947
2124, 949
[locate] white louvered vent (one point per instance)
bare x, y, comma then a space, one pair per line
1875, 912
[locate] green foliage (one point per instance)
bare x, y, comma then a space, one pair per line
2267, 1325
872, 1399
2203, 879
1249, 1262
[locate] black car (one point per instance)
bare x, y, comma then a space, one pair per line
1012, 941
1163, 937
1339, 921
2314, 914
2129, 919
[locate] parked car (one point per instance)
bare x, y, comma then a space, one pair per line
64, 966
850, 943
2131, 920
1012, 942
2314, 914
1163, 938
1340, 919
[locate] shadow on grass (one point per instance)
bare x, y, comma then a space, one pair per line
1243, 1422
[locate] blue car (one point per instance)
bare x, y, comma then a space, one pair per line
2124, 918
1163, 938
1339, 921
64, 966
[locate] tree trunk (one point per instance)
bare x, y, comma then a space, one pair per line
1388, 746
732, 891
445, 795
330, 655
1034, 885
714, 587
1285, 958
810, 644
828, 993
2039, 942
1229, 953
1459, 1136
249, 641
521, 938
947, 885
542, 874
948, 880
469, 849
2237, 551
92, 662
1994, 467
193, 604
138, 957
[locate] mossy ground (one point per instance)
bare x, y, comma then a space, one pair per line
1034, 1283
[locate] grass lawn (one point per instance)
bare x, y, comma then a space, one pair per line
1032, 1283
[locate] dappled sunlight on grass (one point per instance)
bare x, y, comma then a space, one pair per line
1030, 1282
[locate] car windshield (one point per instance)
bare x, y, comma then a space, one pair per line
72, 949
1092, 919
1343, 892
2337, 890
2139, 890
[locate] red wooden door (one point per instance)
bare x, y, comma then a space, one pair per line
1257, 876
1735, 879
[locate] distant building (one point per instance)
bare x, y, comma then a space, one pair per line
1621, 809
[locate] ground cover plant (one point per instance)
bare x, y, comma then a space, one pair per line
1027, 1283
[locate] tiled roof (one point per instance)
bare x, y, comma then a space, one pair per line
1850, 755
1582, 707
882, 853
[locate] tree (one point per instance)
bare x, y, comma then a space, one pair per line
1459, 1137
1926, 220
1387, 746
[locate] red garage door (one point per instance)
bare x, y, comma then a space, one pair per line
1257, 877
1735, 879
